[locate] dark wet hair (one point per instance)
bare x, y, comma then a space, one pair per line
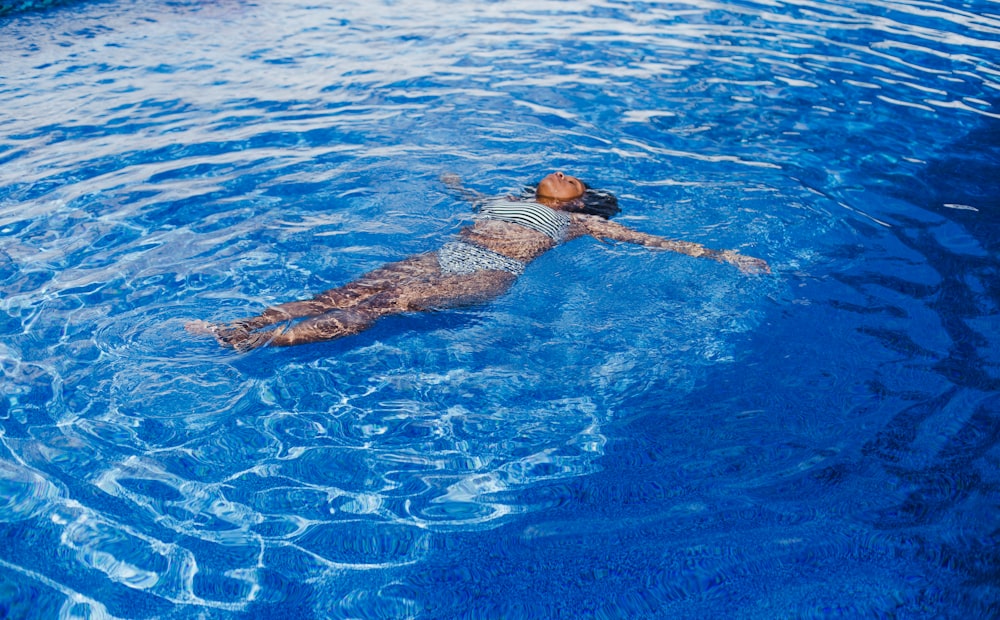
593, 202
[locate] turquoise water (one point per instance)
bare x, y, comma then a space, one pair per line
625, 434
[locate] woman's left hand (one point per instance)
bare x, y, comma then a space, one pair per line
746, 264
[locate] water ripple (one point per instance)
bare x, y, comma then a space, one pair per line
25, 493
160, 163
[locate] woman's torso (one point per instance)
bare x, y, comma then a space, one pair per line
521, 230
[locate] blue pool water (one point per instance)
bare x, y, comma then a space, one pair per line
626, 434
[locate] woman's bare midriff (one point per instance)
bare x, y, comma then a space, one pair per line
509, 239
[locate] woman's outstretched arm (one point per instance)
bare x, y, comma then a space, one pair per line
454, 183
601, 228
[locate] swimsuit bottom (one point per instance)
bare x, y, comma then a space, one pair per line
461, 258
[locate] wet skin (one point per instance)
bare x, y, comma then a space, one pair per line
417, 283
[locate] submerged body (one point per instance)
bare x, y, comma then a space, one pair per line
480, 265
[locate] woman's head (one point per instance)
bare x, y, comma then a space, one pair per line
560, 187
567, 193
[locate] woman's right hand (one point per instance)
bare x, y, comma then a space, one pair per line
452, 180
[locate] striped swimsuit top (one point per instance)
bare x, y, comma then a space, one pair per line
531, 215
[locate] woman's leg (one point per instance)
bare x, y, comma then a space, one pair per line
432, 292
348, 296
345, 297
328, 326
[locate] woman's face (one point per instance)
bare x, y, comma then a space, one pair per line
559, 186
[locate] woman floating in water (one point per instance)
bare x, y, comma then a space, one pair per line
480, 265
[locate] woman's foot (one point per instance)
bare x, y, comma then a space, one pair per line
234, 336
